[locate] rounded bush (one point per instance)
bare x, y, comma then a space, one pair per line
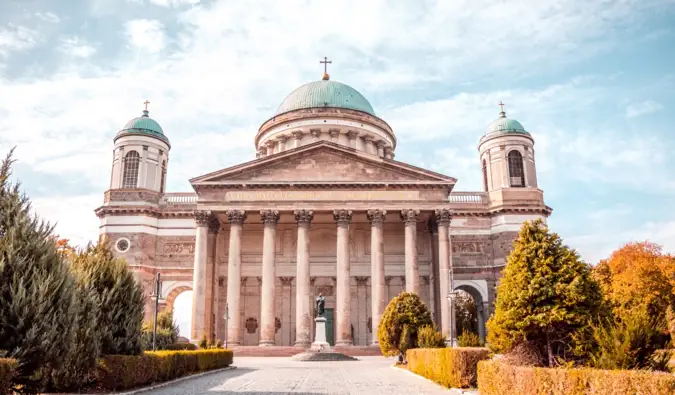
405, 315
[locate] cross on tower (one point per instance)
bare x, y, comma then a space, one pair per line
146, 102
501, 105
325, 62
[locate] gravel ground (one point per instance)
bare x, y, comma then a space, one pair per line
275, 376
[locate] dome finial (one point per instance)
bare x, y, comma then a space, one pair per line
325, 62
145, 111
502, 114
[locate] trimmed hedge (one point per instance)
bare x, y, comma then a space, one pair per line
450, 367
118, 372
181, 346
496, 378
7, 367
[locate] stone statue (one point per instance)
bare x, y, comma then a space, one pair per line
320, 304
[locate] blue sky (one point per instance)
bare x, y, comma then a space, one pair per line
592, 81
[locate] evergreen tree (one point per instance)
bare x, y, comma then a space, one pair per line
120, 299
401, 321
36, 289
546, 297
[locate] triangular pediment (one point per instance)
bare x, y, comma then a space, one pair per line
323, 162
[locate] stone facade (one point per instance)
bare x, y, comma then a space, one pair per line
331, 213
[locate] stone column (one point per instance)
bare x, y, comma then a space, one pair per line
199, 276
303, 318
443, 217
352, 136
212, 280
412, 272
434, 293
378, 289
343, 295
297, 136
269, 218
236, 219
379, 145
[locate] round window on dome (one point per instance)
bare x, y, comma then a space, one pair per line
122, 245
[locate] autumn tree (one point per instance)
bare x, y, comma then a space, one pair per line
401, 321
546, 297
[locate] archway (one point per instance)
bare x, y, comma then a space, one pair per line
469, 312
179, 300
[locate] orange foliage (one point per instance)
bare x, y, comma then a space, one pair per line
638, 274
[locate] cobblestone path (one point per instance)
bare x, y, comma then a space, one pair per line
275, 376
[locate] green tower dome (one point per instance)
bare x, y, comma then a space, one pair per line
505, 125
325, 93
143, 125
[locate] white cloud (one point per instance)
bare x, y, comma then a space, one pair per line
174, 3
73, 216
146, 34
76, 47
642, 108
48, 17
17, 38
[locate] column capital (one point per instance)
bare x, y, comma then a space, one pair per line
286, 281
409, 216
352, 134
443, 216
236, 217
376, 217
342, 217
316, 133
297, 134
368, 138
361, 280
334, 133
304, 217
214, 224
269, 217
202, 218
380, 144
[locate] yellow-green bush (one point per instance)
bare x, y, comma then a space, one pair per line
450, 367
496, 378
117, 372
7, 367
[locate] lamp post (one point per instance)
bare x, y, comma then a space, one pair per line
157, 294
226, 317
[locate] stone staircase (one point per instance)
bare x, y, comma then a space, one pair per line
286, 351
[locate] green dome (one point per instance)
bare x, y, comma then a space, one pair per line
325, 93
505, 125
143, 125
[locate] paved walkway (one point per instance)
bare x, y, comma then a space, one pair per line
276, 376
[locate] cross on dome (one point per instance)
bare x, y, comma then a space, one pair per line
502, 114
325, 62
145, 111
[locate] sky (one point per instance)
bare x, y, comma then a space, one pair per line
592, 82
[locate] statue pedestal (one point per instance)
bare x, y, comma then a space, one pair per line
320, 343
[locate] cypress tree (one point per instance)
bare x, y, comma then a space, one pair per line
546, 297
120, 299
36, 289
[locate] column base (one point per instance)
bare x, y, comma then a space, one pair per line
344, 343
303, 344
232, 344
266, 343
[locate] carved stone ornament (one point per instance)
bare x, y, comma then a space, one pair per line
361, 281
242, 281
342, 217
409, 217
202, 218
251, 325
333, 133
376, 216
236, 217
297, 134
303, 217
214, 224
316, 133
269, 217
179, 248
443, 216
387, 279
352, 134
286, 281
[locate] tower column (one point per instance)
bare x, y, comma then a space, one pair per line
343, 295
443, 217
236, 219
269, 218
199, 276
378, 298
211, 280
412, 273
303, 322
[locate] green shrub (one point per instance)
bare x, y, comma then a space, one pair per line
36, 289
119, 372
7, 371
429, 337
450, 367
404, 316
204, 344
165, 339
181, 346
632, 343
496, 378
469, 339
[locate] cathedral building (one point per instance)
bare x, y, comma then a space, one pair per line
323, 208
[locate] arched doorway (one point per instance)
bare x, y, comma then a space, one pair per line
470, 314
179, 300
